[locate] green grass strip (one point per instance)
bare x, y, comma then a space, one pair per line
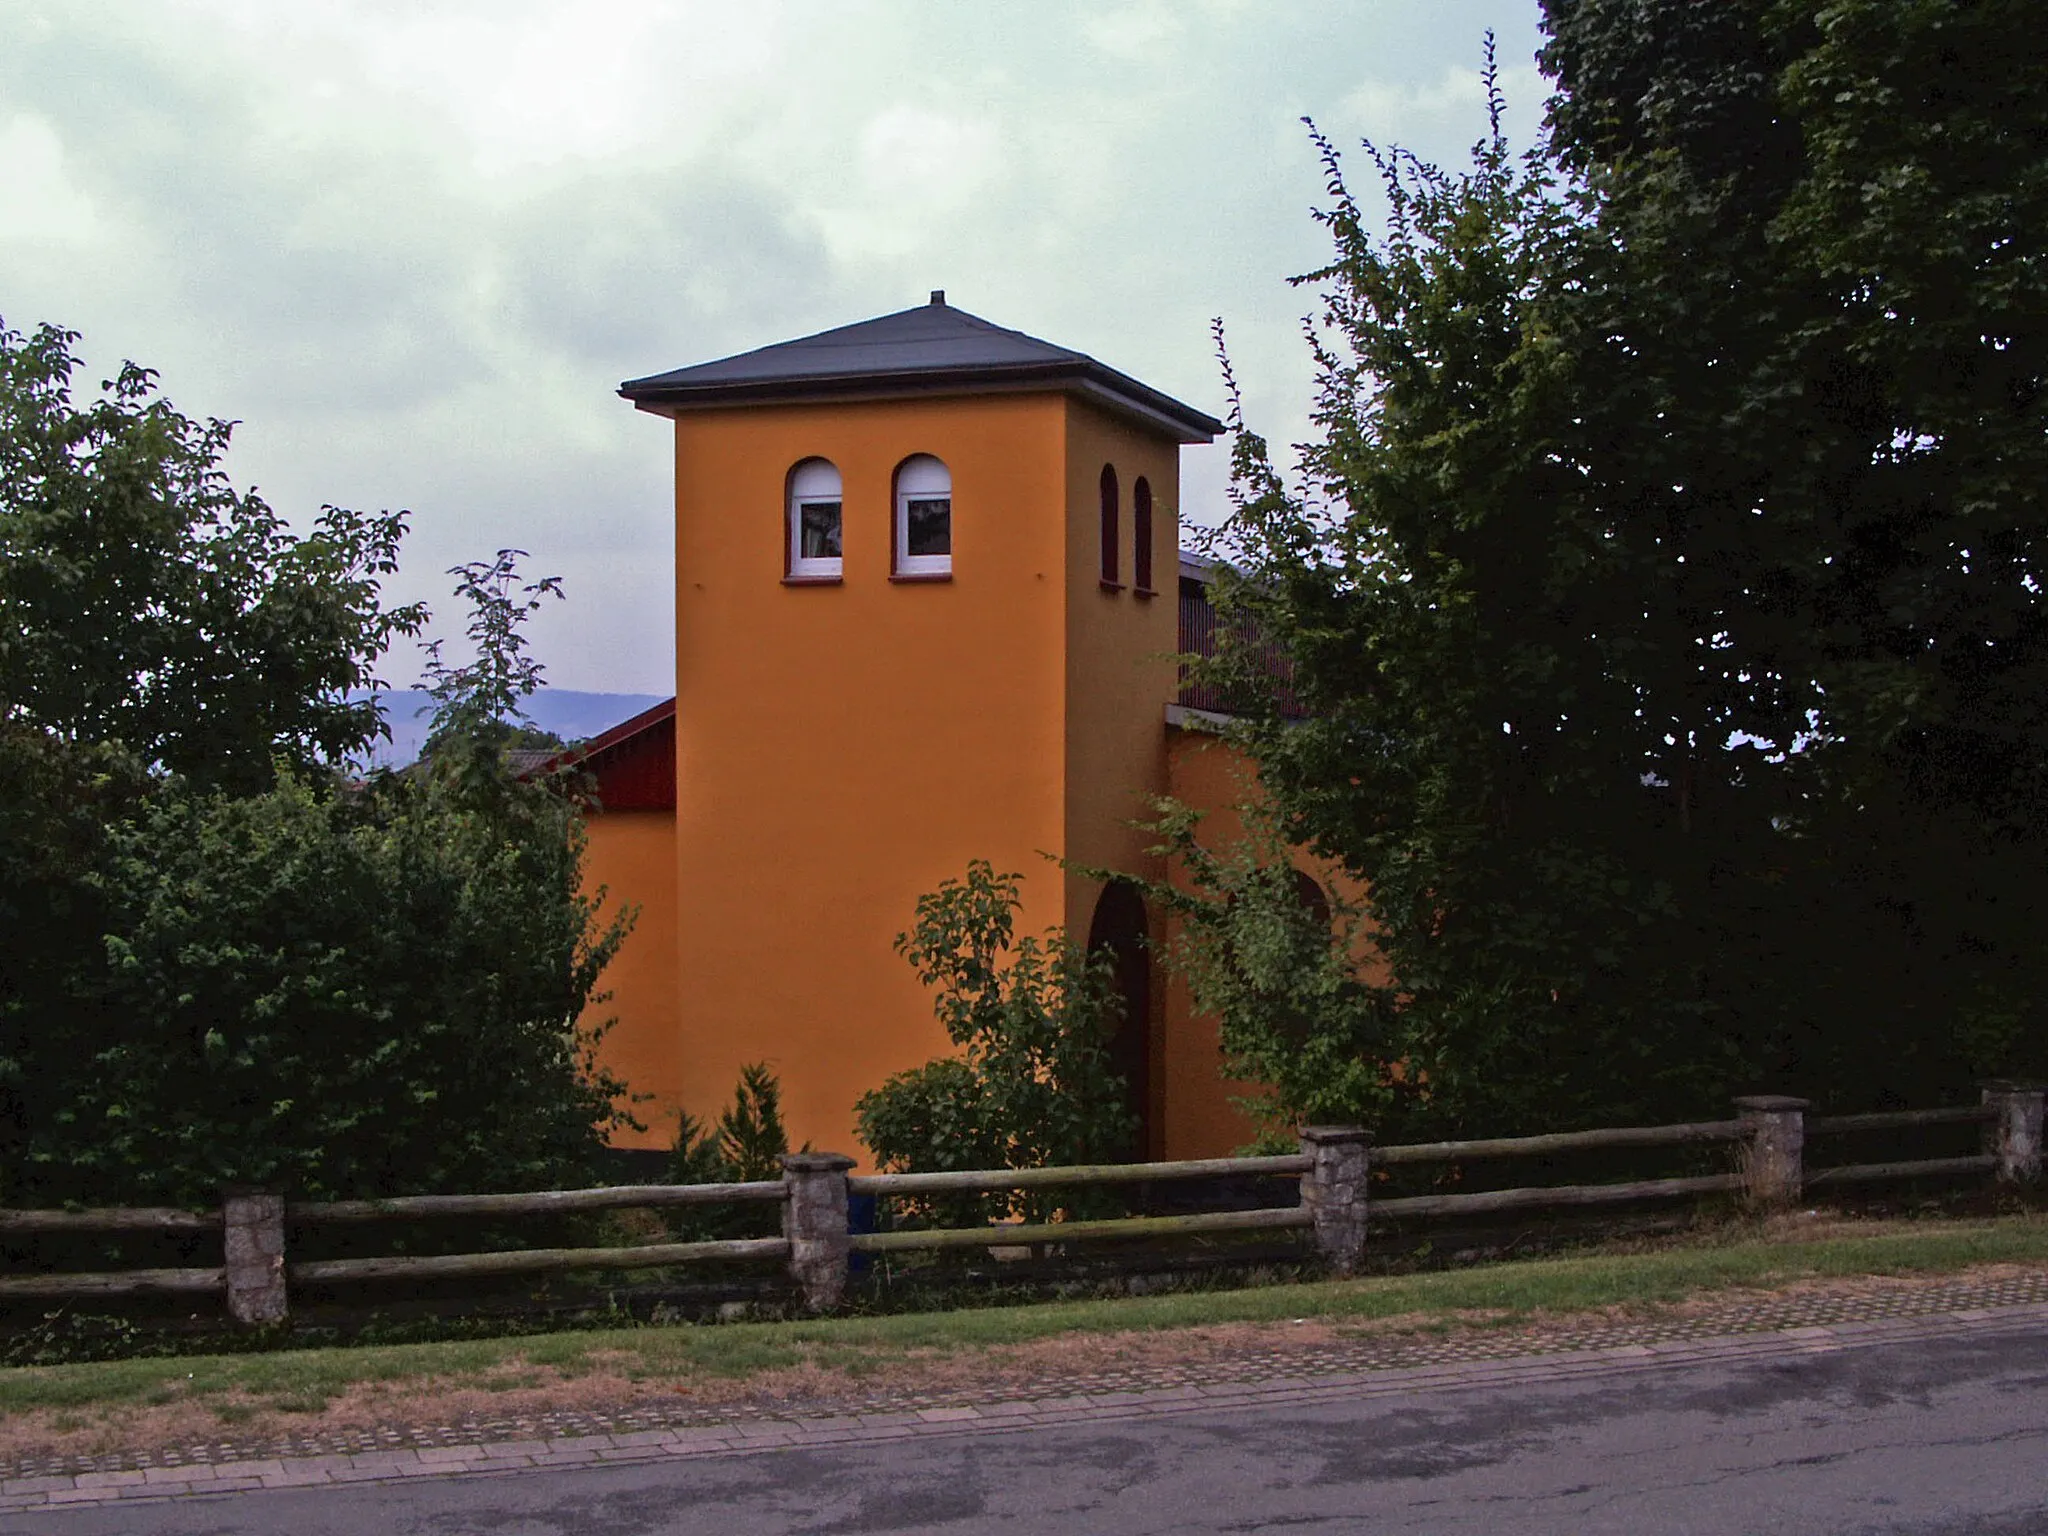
858, 1345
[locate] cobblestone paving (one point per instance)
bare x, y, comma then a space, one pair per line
1244, 1369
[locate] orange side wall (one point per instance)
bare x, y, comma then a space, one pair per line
1208, 773
1120, 673
842, 749
631, 856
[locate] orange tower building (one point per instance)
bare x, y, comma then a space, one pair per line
928, 596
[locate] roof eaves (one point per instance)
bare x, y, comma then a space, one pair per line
1093, 380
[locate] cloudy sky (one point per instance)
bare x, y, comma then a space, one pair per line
414, 245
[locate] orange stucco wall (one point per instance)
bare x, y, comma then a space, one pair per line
1208, 773
842, 749
1120, 672
1205, 771
630, 859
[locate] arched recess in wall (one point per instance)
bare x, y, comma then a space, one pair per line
1312, 896
1141, 536
1109, 526
1119, 930
1314, 901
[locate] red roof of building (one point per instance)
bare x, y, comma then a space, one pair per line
633, 763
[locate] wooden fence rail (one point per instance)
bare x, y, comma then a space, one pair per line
527, 1261
1333, 1165
1563, 1141
1921, 1168
544, 1202
991, 1179
1555, 1194
1010, 1235
1900, 1119
124, 1282
111, 1219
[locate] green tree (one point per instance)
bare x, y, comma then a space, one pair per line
343, 993
479, 706
335, 988
145, 601
1032, 1018
1459, 716
1670, 634
1833, 345
154, 622
225, 959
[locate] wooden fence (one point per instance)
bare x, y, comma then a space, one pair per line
1333, 1165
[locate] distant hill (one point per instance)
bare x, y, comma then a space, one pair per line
569, 714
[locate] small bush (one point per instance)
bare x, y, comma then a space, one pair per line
1032, 1086
745, 1145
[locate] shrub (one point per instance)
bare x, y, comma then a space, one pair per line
746, 1144
1032, 1086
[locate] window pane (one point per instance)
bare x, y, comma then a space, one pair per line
820, 531
930, 530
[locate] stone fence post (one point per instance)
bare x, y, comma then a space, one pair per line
814, 1221
1333, 1190
252, 1236
1774, 1147
2013, 1136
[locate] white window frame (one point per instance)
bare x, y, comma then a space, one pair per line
811, 483
922, 477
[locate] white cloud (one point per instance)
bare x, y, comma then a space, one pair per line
415, 244
1133, 31
39, 203
1392, 111
918, 169
912, 151
526, 83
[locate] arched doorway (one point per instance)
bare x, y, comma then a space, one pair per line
1119, 930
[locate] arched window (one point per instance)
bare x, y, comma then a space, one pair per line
813, 521
924, 518
1141, 537
1109, 540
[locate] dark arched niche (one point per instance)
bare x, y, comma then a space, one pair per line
1109, 526
1312, 896
1119, 931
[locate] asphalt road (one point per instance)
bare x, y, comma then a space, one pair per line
1940, 1437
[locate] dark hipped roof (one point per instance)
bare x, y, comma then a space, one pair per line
932, 349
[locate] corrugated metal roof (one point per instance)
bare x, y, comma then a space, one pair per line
932, 349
